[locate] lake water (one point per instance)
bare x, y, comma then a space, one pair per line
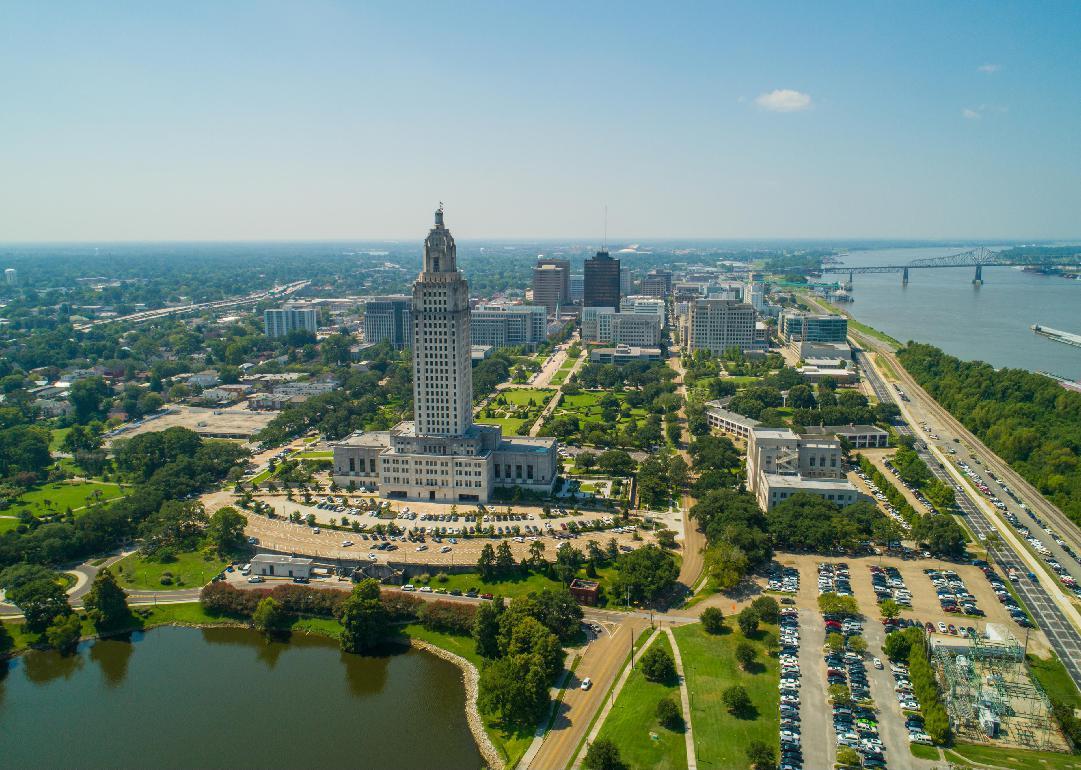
990, 322
180, 697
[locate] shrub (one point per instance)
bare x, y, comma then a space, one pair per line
401, 606
748, 621
669, 714
767, 608
762, 755
452, 617
712, 620
745, 655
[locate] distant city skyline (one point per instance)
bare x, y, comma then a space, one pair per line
326, 121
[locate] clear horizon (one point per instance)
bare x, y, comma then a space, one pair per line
332, 122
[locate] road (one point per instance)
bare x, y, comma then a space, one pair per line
694, 540
1047, 610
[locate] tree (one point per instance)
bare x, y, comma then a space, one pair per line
568, 561
64, 632
643, 574
745, 655
669, 714
657, 664
106, 604
536, 554
835, 641
857, 644
41, 600
801, 397
889, 608
617, 462
557, 610
769, 611
942, 535
727, 565
486, 562
504, 558
88, 397
748, 621
364, 618
897, 646
652, 483
712, 620
268, 616
839, 694
514, 689
736, 700
762, 755
585, 461
603, 754
848, 757
486, 628
225, 530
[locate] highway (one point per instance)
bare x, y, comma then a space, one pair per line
1049, 616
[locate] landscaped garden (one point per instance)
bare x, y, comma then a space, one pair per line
57, 497
189, 569
515, 410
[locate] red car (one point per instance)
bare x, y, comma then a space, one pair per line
486, 596
952, 629
929, 626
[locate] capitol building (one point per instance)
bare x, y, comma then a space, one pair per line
441, 455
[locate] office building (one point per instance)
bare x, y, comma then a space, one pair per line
640, 304
857, 436
728, 422
551, 283
717, 325
602, 281
623, 354
577, 287
389, 318
11, 276
606, 326
281, 321
626, 282
441, 455
657, 283
798, 326
504, 326
781, 463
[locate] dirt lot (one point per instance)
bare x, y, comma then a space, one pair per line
217, 423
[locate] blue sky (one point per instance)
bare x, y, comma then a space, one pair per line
233, 120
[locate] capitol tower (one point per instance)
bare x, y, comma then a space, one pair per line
442, 455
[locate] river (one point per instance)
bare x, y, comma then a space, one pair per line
988, 322
182, 697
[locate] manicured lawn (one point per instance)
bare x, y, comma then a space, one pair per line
518, 585
312, 454
190, 570
559, 376
509, 425
1015, 759
522, 396
924, 752
739, 380
632, 723
56, 438
1052, 676
709, 663
7, 523
63, 495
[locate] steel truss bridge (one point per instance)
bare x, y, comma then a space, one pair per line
978, 258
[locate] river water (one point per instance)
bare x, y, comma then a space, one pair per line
181, 697
989, 322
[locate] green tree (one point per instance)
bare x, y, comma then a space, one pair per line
657, 664
857, 644
897, 646
848, 757
504, 559
269, 616
106, 604
225, 530
89, 398
557, 610
617, 462
568, 561
712, 620
745, 655
889, 608
736, 700
514, 689
64, 632
748, 621
839, 695
41, 600
669, 714
603, 754
643, 574
486, 562
486, 628
727, 565
761, 755
364, 618
769, 611
835, 641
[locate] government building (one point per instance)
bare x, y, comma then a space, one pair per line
442, 455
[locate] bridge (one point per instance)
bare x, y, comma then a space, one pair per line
979, 258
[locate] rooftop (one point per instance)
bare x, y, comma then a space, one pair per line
367, 438
276, 558
844, 430
801, 482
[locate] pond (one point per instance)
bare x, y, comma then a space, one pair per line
183, 697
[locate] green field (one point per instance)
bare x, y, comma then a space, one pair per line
522, 396
632, 723
586, 406
1055, 680
190, 570
518, 585
58, 496
924, 752
56, 438
1010, 758
509, 425
517, 411
709, 664
312, 454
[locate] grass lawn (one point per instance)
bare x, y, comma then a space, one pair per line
509, 425
559, 376
924, 752
632, 723
56, 438
1014, 759
1052, 676
190, 570
7, 523
709, 663
522, 396
739, 380
63, 495
518, 585
312, 454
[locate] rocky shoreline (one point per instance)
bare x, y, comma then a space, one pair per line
471, 679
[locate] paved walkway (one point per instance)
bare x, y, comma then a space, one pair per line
611, 700
688, 731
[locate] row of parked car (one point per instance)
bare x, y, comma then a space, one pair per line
890, 509
888, 583
791, 750
910, 487
998, 585
953, 595
1045, 553
855, 726
783, 579
834, 579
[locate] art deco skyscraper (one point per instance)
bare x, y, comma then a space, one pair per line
442, 364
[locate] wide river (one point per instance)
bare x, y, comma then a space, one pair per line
181, 697
989, 322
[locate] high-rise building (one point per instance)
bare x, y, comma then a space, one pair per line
602, 281
626, 282
442, 455
717, 325
578, 287
389, 318
606, 326
11, 276
657, 283
798, 326
280, 321
551, 283
509, 325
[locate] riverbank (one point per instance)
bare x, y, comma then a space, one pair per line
493, 747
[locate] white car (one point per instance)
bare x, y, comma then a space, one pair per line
587, 683
445, 549
346, 543
409, 587
425, 589
876, 663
